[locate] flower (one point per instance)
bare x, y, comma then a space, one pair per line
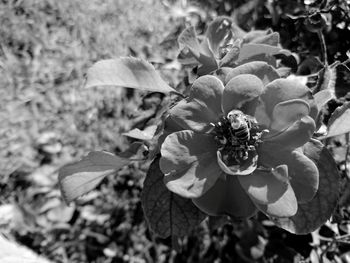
235, 146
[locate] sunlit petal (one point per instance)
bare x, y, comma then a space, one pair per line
286, 113
239, 90
281, 90
202, 107
188, 163
261, 69
303, 173
266, 186
299, 133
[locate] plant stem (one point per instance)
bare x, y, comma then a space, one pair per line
323, 47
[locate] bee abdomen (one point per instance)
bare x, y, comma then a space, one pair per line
242, 134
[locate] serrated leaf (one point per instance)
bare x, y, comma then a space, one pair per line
167, 214
79, 178
126, 72
339, 123
313, 214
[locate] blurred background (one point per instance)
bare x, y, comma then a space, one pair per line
47, 119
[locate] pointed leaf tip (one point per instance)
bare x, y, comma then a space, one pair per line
79, 178
126, 72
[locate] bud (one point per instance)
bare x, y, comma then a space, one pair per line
315, 22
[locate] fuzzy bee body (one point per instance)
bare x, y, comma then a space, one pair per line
240, 126
242, 134
237, 136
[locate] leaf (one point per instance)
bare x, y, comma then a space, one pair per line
145, 135
310, 65
232, 55
272, 39
339, 123
167, 214
288, 59
83, 176
201, 52
326, 80
313, 214
218, 31
188, 39
126, 72
342, 85
322, 97
250, 50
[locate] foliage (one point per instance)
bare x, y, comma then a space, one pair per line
107, 225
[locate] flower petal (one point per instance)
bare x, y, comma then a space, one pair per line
188, 163
285, 206
281, 90
286, 113
168, 126
304, 176
239, 90
261, 69
226, 197
202, 107
299, 133
245, 168
266, 186
303, 173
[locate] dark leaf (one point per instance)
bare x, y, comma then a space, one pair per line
310, 65
342, 86
167, 213
313, 214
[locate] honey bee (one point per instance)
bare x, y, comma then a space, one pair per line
241, 125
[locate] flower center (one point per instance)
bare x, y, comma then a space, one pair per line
236, 135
